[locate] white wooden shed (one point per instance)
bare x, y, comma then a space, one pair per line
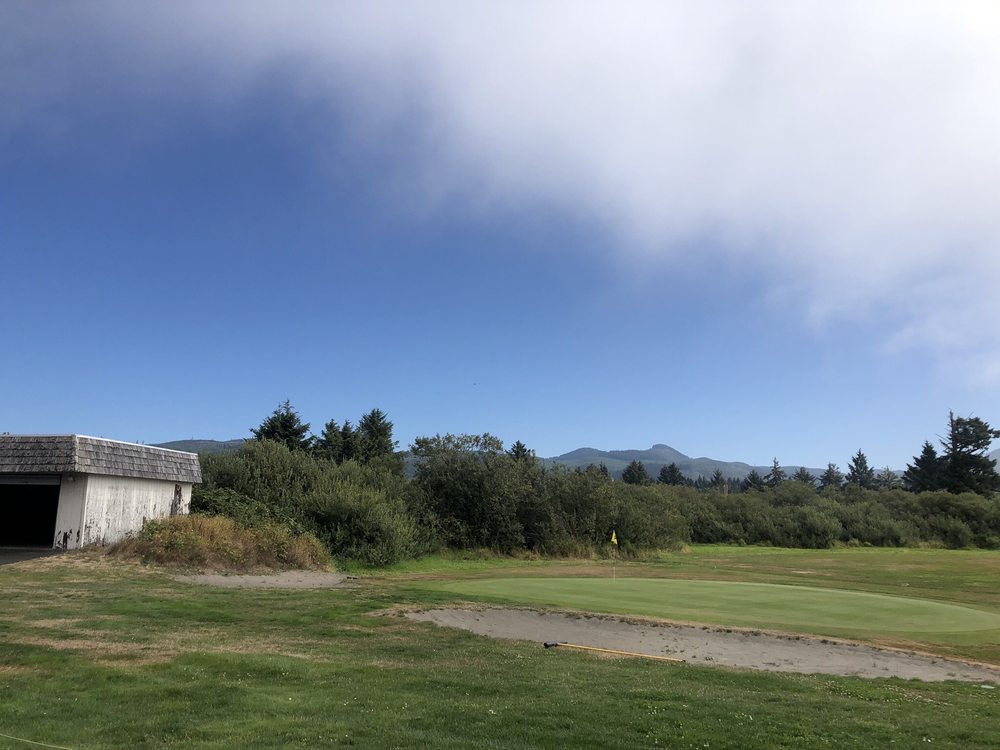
67, 491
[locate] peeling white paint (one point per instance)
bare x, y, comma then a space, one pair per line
116, 506
98, 509
69, 516
106, 488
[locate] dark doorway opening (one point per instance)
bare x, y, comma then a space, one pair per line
28, 514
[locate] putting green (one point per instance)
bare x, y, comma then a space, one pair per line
762, 605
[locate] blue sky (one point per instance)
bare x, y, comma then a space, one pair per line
744, 235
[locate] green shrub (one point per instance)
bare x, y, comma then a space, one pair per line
365, 524
952, 532
247, 511
470, 494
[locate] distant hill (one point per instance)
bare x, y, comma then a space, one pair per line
654, 458
203, 446
661, 455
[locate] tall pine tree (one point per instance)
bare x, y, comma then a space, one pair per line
374, 437
925, 474
967, 468
286, 427
860, 473
348, 442
832, 477
520, 452
330, 443
776, 475
803, 475
887, 479
635, 473
753, 481
671, 474
718, 481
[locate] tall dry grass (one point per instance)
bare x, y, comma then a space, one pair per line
219, 543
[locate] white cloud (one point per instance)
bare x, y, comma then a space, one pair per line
848, 149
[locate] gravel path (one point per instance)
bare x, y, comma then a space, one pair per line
710, 645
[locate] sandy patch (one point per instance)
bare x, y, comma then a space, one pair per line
709, 645
288, 579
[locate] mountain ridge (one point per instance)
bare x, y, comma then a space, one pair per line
660, 455
654, 458
202, 446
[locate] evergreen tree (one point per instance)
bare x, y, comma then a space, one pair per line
753, 481
803, 475
284, 426
373, 438
967, 468
635, 473
832, 477
925, 474
671, 475
597, 469
519, 452
330, 443
776, 475
348, 441
717, 481
860, 473
888, 480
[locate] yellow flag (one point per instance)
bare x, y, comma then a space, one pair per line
614, 537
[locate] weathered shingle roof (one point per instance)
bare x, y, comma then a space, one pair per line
58, 454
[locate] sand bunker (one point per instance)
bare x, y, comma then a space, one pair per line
288, 579
709, 645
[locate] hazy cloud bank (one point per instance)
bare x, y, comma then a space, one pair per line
849, 150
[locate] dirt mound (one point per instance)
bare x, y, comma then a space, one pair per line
711, 646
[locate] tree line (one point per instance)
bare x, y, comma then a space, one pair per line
962, 466
470, 491
370, 441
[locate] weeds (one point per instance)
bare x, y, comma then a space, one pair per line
219, 543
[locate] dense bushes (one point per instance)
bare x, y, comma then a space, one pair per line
481, 496
807, 518
361, 512
468, 493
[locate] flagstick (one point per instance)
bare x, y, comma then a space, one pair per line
614, 555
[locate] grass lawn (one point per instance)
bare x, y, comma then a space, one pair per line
96, 654
799, 609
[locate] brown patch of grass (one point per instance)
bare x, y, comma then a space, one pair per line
217, 543
53, 623
106, 651
115, 652
87, 559
387, 664
296, 648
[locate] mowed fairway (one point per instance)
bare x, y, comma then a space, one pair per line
99, 654
802, 609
